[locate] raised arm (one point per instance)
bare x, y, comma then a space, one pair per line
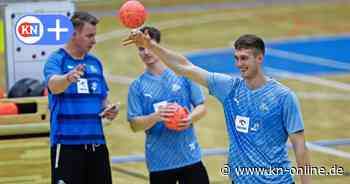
177, 62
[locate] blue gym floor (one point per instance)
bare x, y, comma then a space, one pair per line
312, 56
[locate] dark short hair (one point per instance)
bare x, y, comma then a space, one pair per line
80, 18
153, 32
249, 41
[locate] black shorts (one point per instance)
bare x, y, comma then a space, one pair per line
80, 164
195, 173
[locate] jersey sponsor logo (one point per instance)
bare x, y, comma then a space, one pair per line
82, 86
242, 124
157, 105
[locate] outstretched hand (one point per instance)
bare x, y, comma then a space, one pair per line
138, 38
76, 73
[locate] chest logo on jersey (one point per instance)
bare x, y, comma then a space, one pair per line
93, 69
236, 101
263, 107
242, 124
175, 87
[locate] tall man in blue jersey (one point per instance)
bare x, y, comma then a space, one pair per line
171, 155
78, 102
260, 112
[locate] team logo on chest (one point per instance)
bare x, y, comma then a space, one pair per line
263, 107
93, 69
175, 87
236, 101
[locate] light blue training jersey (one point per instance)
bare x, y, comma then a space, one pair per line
164, 148
258, 124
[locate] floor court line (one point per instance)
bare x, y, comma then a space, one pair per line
328, 150
319, 146
308, 79
323, 96
275, 72
293, 56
